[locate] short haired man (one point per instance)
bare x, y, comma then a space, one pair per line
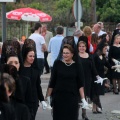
55, 44
40, 46
77, 34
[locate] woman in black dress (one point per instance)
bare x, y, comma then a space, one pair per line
99, 88
33, 74
23, 83
88, 68
11, 55
67, 83
114, 53
21, 110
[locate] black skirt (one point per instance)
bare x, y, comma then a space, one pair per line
65, 106
115, 74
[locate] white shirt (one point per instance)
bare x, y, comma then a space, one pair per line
101, 33
39, 41
76, 39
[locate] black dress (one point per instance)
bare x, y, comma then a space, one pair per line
36, 89
66, 81
114, 52
100, 63
26, 91
89, 73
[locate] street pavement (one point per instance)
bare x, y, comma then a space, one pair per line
109, 102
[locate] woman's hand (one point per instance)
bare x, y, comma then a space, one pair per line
44, 105
84, 103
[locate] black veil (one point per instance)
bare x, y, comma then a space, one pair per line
84, 39
115, 32
11, 47
29, 44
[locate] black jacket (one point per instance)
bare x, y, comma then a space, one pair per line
34, 76
6, 112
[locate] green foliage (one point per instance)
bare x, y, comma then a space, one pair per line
35, 5
109, 11
9, 7
62, 4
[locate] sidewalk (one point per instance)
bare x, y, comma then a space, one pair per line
45, 76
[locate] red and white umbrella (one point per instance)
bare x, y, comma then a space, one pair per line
28, 14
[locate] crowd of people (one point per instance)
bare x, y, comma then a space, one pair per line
83, 67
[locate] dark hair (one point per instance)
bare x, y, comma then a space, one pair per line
37, 26
69, 47
11, 55
25, 53
94, 38
3, 94
100, 47
29, 44
59, 30
10, 69
115, 32
84, 39
32, 30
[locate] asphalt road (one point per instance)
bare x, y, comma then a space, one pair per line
109, 102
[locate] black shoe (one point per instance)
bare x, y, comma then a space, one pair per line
115, 92
46, 72
84, 116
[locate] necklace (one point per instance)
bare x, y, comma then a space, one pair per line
68, 64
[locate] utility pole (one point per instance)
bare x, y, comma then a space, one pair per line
93, 11
3, 21
77, 10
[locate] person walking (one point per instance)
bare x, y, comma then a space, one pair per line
114, 53
47, 36
33, 74
89, 70
55, 44
99, 87
66, 86
40, 45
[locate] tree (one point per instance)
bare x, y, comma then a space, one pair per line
109, 11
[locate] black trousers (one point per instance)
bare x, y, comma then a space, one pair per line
40, 65
45, 62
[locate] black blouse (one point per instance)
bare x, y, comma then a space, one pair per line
114, 52
67, 77
35, 80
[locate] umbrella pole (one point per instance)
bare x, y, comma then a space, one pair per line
27, 30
